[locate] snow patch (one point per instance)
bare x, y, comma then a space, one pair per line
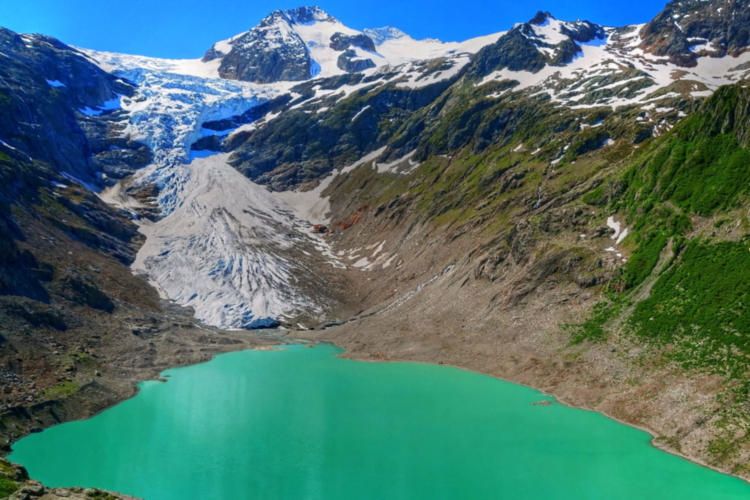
360, 112
393, 166
111, 105
613, 224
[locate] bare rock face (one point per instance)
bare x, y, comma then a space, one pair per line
16, 485
686, 30
61, 83
519, 49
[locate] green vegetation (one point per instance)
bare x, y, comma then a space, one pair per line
7, 487
594, 197
703, 175
701, 307
8, 484
644, 258
698, 309
696, 170
593, 328
61, 390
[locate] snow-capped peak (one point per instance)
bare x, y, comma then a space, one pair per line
279, 20
305, 43
300, 15
306, 15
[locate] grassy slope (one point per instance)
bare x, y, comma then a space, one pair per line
681, 293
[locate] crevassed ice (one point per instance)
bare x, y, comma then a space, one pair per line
226, 247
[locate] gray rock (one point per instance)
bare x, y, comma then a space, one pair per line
341, 42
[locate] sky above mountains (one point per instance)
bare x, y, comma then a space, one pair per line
187, 28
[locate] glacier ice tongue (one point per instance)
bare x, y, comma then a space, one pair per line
230, 250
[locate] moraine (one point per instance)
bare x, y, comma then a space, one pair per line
301, 423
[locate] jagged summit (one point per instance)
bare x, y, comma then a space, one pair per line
307, 42
303, 15
541, 18
542, 41
548, 30
292, 45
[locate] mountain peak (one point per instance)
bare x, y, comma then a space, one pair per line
541, 18
302, 15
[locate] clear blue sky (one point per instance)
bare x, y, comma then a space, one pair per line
187, 28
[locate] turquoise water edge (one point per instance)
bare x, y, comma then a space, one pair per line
301, 423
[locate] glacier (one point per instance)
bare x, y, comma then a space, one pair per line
240, 256
226, 247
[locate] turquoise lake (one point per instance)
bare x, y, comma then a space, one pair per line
300, 423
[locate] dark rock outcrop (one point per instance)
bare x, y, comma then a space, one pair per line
523, 49
350, 62
513, 51
341, 42
44, 85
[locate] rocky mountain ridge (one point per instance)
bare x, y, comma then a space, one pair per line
689, 29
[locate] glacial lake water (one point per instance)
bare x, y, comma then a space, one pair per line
300, 423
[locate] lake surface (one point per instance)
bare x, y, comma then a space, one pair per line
302, 424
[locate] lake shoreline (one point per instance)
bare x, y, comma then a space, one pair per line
654, 437
332, 350
349, 355
80, 407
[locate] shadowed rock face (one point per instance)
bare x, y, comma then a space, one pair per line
255, 58
43, 86
350, 62
688, 29
513, 51
518, 50
63, 252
